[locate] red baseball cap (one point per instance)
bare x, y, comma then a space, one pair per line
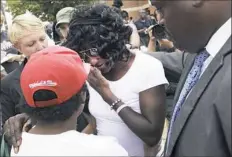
57, 69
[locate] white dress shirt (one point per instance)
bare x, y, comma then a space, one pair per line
216, 42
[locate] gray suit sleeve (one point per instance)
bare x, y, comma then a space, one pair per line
173, 61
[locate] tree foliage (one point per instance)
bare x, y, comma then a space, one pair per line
45, 9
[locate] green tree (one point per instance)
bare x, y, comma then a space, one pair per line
45, 9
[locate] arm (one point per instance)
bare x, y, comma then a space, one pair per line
151, 45
14, 127
149, 124
172, 61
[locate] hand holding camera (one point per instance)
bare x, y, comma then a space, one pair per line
157, 32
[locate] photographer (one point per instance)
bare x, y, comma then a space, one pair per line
142, 24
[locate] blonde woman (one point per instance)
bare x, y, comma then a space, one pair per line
27, 34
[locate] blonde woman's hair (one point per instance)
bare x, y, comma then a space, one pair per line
23, 24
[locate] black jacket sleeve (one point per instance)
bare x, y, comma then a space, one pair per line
8, 98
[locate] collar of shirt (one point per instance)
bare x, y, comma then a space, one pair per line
219, 38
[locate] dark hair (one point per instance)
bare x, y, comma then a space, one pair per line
124, 14
101, 27
54, 113
117, 3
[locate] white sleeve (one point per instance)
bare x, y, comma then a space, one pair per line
151, 75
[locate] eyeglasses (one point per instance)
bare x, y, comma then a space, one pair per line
85, 54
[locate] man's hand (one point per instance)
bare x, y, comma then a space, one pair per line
13, 129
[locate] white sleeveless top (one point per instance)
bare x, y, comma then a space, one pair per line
145, 72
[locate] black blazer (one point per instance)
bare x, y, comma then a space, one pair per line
11, 93
203, 127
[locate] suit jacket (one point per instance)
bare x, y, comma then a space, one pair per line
203, 126
11, 94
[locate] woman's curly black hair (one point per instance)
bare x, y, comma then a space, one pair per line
109, 36
56, 113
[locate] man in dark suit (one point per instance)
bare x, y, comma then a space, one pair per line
201, 120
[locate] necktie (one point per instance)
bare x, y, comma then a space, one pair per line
191, 80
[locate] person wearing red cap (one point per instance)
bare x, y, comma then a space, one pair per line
55, 101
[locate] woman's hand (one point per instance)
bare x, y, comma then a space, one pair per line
99, 83
14, 127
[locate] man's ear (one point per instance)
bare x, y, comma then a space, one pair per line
198, 3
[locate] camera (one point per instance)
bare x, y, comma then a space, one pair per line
159, 32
